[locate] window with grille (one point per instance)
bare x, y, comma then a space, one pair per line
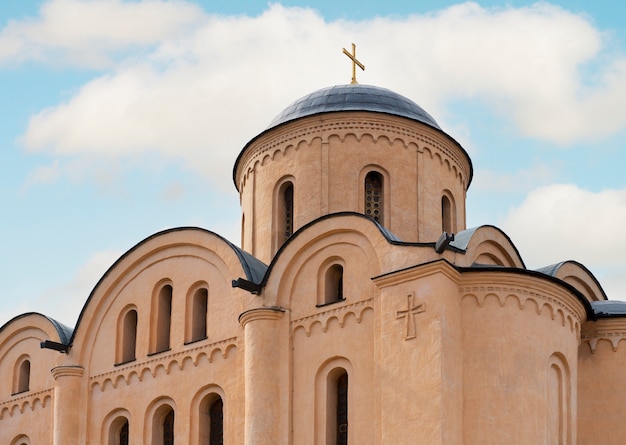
374, 196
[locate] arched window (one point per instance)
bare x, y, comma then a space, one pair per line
282, 213
288, 209
198, 317
127, 340
168, 428
21, 376
124, 434
216, 415
337, 407
447, 215
163, 320
374, 197
211, 416
342, 409
334, 284
118, 432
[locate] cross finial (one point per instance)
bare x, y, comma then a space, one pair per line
355, 62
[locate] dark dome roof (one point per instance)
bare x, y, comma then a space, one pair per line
354, 97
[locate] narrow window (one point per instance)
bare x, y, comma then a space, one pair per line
342, 409
168, 428
199, 314
123, 436
287, 197
216, 435
129, 337
334, 284
22, 377
446, 215
282, 213
163, 319
337, 407
374, 196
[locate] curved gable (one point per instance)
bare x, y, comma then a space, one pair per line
486, 246
579, 277
183, 260
351, 240
20, 340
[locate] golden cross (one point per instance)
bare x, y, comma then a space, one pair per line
355, 62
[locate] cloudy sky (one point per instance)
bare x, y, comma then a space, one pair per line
119, 119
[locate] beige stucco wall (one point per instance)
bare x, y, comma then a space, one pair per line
602, 383
327, 158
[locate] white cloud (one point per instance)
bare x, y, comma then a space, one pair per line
206, 89
521, 181
565, 222
89, 33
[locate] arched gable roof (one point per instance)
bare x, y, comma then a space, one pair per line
250, 267
357, 230
487, 245
577, 275
57, 331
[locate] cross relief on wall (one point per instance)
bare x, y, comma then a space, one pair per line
408, 314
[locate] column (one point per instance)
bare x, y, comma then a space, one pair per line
266, 377
67, 404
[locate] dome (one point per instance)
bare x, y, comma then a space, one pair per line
354, 97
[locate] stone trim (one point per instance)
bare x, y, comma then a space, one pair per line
610, 330
281, 141
124, 373
338, 312
30, 400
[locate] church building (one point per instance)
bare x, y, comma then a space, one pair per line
358, 310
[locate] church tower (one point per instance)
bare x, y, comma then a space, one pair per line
351, 148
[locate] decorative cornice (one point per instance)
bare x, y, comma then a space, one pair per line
67, 371
306, 131
19, 402
608, 329
164, 361
561, 309
340, 313
261, 313
417, 272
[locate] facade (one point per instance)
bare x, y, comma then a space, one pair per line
358, 310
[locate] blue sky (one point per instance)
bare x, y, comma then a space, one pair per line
123, 118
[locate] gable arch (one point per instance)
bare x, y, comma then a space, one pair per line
182, 257
487, 246
578, 276
350, 236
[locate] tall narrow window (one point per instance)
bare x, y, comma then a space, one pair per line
163, 319
168, 428
446, 215
337, 407
374, 196
334, 284
216, 434
129, 337
199, 305
21, 379
283, 220
211, 431
342, 409
123, 437
288, 210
